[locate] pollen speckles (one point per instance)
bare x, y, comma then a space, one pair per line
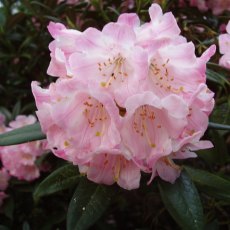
66, 143
159, 74
112, 70
144, 120
95, 115
98, 134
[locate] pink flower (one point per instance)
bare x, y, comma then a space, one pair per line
19, 160
200, 106
110, 61
61, 48
22, 120
174, 69
161, 30
166, 169
110, 167
152, 123
224, 46
78, 121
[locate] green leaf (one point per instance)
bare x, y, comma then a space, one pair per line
219, 154
8, 208
210, 183
221, 113
16, 109
3, 227
216, 77
213, 125
214, 225
26, 226
182, 201
22, 135
2, 16
62, 178
88, 203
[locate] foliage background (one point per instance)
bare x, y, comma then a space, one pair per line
24, 57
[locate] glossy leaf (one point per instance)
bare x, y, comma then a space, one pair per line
22, 135
3, 227
219, 154
88, 203
62, 178
182, 201
210, 183
221, 113
216, 77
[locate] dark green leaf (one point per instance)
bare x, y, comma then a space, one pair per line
182, 201
2, 16
210, 183
22, 135
16, 110
219, 154
3, 227
8, 207
221, 113
214, 225
15, 19
88, 203
62, 178
26, 226
216, 77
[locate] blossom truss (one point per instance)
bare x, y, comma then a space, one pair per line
129, 98
19, 160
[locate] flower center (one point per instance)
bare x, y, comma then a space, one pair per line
143, 122
113, 70
162, 78
95, 115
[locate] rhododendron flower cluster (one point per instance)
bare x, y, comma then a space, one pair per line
129, 98
217, 6
19, 160
224, 47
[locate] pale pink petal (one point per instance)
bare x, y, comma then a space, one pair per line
225, 60
108, 168
55, 28
129, 176
167, 172
228, 28
130, 19
224, 43
119, 33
